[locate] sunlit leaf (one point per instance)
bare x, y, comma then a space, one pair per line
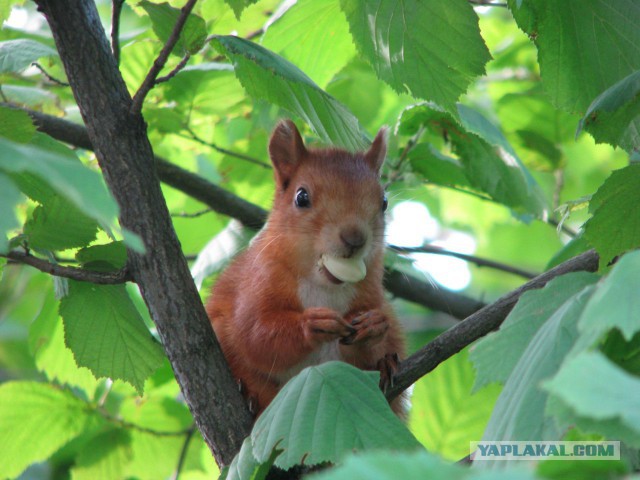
413, 48
106, 334
269, 77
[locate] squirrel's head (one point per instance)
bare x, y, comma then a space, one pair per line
330, 204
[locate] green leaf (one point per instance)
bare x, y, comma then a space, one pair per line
58, 225
245, 466
614, 117
16, 55
154, 456
104, 457
71, 179
614, 227
110, 256
36, 419
519, 411
490, 163
16, 125
616, 302
583, 47
269, 77
533, 309
436, 167
315, 37
430, 49
9, 198
52, 357
445, 415
106, 334
239, 5
604, 397
163, 19
324, 413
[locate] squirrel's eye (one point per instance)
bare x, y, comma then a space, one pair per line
302, 198
385, 203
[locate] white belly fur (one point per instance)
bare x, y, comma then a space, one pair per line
337, 298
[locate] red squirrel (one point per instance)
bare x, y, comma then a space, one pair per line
309, 287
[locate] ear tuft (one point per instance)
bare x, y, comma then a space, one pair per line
286, 150
378, 150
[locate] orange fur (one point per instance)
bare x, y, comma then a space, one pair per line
275, 310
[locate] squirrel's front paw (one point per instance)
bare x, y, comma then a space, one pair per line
321, 325
369, 326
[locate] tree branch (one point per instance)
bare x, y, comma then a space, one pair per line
163, 56
74, 273
118, 134
481, 262
477, 325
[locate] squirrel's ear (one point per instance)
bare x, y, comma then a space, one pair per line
378, 150
286, 149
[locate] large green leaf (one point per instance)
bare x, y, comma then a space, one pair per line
445, 415
52, 357
324, 413
519, 411
428, 48
163, 19
267, 76
314, 36
614, 227
58, 225
584, 47
532, 310
36, 419
490, 163
71, 179
9, 198
616, 303
436, 167
599, 396
106, 334
614, 117
16, 55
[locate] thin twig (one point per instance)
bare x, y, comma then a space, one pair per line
102, 278
481, 262
175, 71
163, 56
49, 77
192, 215
192, 136
395, 169
478, 325
183, 452
564, 228
116, 10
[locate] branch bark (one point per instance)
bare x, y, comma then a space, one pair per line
477, 325
121, 145
74, 273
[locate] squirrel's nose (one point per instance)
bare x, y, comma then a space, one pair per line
353, 238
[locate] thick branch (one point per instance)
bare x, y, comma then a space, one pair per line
119, 138
74, 273
478, 325
163, 56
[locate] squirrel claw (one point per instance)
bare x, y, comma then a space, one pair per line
388, 366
